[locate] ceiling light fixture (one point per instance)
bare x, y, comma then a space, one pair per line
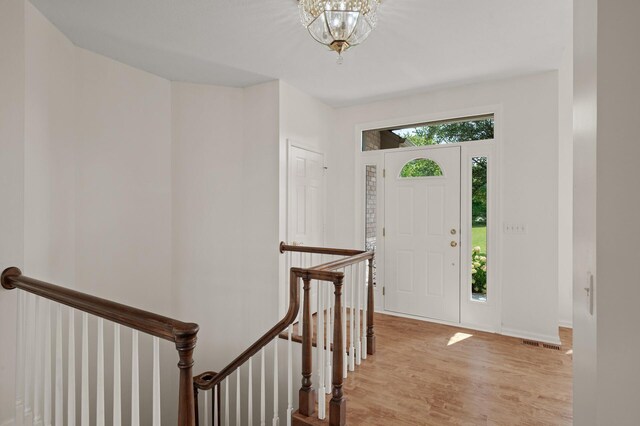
339, 24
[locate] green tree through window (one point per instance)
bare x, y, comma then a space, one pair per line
450, 132
421, 167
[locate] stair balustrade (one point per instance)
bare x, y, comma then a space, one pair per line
42, 310
333, 286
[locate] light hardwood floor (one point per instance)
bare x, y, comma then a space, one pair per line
431, 374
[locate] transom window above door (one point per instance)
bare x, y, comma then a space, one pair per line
466, 129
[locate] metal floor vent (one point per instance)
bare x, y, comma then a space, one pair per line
540, 344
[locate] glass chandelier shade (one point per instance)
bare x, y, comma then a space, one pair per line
339, 24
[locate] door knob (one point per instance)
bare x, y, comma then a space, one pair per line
454, 244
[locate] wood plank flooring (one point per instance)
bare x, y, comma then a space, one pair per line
430, 374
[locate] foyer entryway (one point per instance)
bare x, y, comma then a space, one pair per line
422, 229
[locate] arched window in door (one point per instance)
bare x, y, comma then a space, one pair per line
421, 167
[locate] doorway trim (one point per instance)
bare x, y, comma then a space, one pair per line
490, 148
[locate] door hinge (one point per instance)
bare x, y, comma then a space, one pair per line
384, 231
383, 291
384, 173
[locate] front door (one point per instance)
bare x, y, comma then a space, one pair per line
422, 229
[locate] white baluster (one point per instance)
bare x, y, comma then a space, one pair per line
39, 361
47, 363
289, 376
226, 401
117, 392
29, 359
100, 375
58, 389
20, 354
135, 380
320, 353
357, 288
157, 411
300, 293
365, 298
345, 361
71, 371
216, 406
276, 418
250, 395
329, 328
352, 317
205, 407
238, 414
263, 415
84, 407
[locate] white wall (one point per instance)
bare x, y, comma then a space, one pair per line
529, 174
49, 151
123, 191
225, 223
12, 117
207, 178
618, 204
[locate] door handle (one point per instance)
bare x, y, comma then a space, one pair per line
454, 244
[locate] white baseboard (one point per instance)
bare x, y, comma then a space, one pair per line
520, 334
450, 323
505, 331
566, 324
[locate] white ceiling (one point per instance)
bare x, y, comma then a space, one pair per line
418, 44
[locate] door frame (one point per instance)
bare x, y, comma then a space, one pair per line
484, 316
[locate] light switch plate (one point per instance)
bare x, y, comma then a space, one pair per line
515, 228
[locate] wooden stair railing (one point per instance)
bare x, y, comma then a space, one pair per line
183, 335
333, 272
337, 404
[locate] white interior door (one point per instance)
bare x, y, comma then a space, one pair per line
422, 229
306, 195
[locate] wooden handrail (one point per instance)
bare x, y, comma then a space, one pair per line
341, 263
146, 322
318, 250
182, 334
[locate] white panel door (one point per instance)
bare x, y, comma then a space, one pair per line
422, 228
306, 197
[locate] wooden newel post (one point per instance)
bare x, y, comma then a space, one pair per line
185, 344
338, 404
371, 335
307, 395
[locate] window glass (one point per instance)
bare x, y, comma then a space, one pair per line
479, 228
435, 133
421, 167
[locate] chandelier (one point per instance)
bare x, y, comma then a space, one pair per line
339, 24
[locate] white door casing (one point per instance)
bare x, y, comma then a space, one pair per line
422, 229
